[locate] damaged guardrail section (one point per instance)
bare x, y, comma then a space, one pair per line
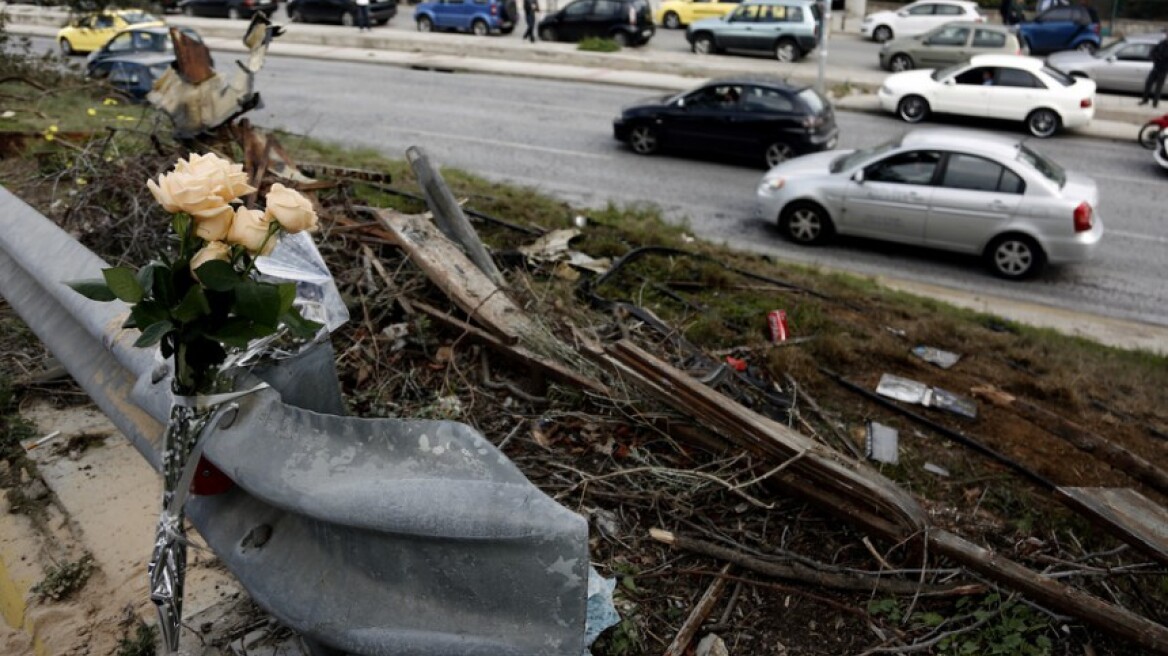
365, 535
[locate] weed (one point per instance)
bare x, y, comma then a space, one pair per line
141, 644
63, 580
598, 44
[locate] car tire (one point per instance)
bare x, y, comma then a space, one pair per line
787, 51
644, 139
233, 13
348, 19
1015, 257
547, 34
900, 62
479, 28
1087, 46
703, 44
671, 20
881, 34
912, 109
425, 24
806, 223
67, 48
777, 153
621, 39
1043, 123
1150, 135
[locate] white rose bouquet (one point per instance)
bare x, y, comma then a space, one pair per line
206, 298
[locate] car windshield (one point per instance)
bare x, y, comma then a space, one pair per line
848, 160
1104, 53
1059, 76
136, 17
813, 100
942, 73
1043, 165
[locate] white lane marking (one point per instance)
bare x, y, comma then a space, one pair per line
506, 144
1137, 236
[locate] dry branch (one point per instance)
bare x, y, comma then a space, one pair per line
700, 612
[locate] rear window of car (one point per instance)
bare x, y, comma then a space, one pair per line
812, 100
1059, 76
1047, 167
964, 171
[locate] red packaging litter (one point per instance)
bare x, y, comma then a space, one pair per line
777, 325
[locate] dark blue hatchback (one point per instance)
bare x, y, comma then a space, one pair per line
1061, 28
479, 17
134, 75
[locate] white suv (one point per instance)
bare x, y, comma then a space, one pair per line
918, 18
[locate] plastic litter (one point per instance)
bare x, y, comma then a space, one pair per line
600, 613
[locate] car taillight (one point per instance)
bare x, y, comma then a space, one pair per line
1095, 28
494, 10
1085, 103
1083, 214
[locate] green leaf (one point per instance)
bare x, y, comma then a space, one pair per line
181, 224
287, 292
238, 332
148, 313
193, 305
932, 619
156, 278
219, 276
123, 284
259, 302
298, 325
94, 289
153, 333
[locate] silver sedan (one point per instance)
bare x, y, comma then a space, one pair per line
950, 189
1121, 66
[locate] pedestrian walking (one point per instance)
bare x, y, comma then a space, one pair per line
530, 9
1007, 11
1154, 84
363, 15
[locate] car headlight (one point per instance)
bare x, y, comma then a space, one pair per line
771, 184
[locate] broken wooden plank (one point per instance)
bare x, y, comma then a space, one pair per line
457, 276
1143, 522
1115, 455
699, 613
448, 214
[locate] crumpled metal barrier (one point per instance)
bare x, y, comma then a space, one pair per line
368, 536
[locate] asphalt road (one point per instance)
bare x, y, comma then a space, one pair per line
556, 137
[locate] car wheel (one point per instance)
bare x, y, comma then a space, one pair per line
882, 34
806, 223
234, 14
1042, 123
621, 39
297, 16
703, 44
900, 62
348, 19
1015, 257
643, 139
912, 109
778, 153
1150, 135
547, 34
1087, 46
786, 50
425, 24
671, 20
479, 28
67, 48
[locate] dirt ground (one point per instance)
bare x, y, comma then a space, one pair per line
630, 463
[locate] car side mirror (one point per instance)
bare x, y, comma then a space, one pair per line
1111, 59
949, 82
858, 177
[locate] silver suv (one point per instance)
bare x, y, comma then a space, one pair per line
787, 28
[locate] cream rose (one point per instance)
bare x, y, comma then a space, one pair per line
201, 186
212, 224
290, 209
250, 229
214, 250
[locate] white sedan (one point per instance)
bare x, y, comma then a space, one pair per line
1010, 87
917, 18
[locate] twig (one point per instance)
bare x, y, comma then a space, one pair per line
700, 612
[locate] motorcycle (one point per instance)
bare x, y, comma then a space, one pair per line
1150, 132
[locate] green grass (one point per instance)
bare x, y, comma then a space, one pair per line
598, 44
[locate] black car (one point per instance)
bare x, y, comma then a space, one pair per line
764, 120
134, 75
134, 40
234, 9
339, 11
628, 22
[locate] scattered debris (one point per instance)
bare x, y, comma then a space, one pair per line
936, 469
882, 443
911, 391
943, 359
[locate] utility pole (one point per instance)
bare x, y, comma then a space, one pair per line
824, 28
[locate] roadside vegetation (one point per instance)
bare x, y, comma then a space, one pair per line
625, 469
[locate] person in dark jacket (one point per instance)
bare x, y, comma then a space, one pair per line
1007, 11
530, 9
1154, 84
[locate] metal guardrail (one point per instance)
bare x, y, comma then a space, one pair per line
367, 536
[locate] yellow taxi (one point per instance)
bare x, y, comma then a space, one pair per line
674, 14
89, 33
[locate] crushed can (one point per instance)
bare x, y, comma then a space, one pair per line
777, 325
